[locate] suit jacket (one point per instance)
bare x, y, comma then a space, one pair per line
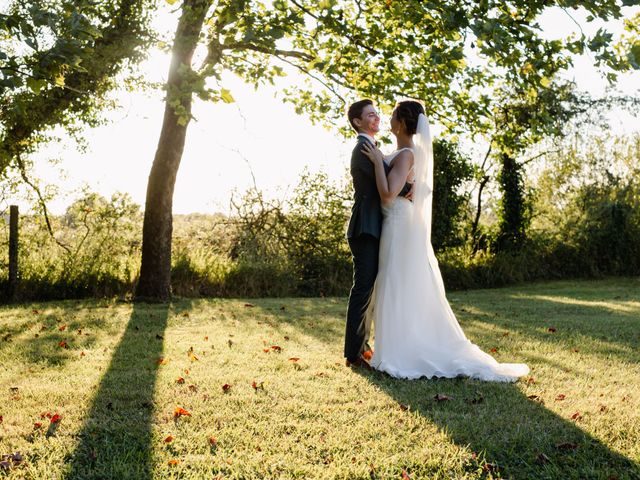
366, 213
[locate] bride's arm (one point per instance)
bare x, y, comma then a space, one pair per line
389, 187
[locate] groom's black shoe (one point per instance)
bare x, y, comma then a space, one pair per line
359, 362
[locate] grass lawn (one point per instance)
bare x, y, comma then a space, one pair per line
89, 389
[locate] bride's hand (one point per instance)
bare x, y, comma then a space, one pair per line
374, 153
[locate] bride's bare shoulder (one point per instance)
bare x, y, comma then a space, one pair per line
404, 156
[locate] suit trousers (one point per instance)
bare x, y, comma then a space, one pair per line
364, 249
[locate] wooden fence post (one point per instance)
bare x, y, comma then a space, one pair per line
13, 251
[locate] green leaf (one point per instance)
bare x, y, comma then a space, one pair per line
171, 2
634, 56
277, 33
35, 85
278, 71
545, 82
226, 97
325, 4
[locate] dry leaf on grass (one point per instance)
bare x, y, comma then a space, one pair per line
181, 412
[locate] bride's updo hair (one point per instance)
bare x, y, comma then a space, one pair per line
408, 112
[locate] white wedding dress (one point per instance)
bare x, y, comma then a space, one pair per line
416, 332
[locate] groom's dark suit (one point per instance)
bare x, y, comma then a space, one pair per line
363, 235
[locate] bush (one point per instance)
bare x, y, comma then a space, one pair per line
297, 246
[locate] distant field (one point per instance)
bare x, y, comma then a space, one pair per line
117, 375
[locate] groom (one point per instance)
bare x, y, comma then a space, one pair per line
363, 233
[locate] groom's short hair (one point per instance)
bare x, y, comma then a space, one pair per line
355, 110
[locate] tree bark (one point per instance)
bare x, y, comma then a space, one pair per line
155, 270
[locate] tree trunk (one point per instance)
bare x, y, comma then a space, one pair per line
155, 271
513, 221
476, 221
13, 251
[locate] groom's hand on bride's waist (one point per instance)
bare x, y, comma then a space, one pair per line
409, 195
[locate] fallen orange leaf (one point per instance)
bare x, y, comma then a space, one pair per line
294, 359
180, 380
561, 397
62, 328
173, 462
276, 348
226, 387
56, 418
169, 439
181, 412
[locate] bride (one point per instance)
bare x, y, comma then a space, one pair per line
416, 332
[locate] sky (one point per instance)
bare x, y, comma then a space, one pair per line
258, 134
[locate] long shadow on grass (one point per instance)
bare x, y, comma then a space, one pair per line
517, 434
510, 433
305, 315
55, 336
603, 322
116, 438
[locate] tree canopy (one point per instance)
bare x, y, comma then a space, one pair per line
59, 60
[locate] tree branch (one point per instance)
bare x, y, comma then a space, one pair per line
482, 184
322, 82
43, 204
276, 51
17, 70
529, 160
371, 50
